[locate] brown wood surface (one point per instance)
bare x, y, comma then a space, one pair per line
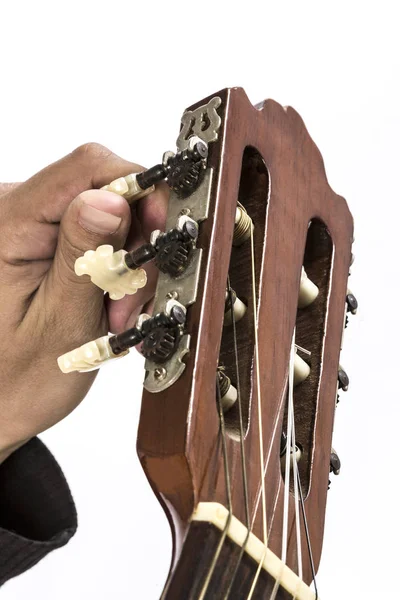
178, 439
234, 573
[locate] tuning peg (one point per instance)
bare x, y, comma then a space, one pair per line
239, 307
343, 379
109, 271
301, 370
88, 357
308, 290
227, 392
129, 187
94, 354
351, 302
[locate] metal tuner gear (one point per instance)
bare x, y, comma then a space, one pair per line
185, 168
160, 344
162, 332
173, 248
172, 256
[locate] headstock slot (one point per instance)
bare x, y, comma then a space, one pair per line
310, 333
253, 192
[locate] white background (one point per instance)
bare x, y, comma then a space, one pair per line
121, 73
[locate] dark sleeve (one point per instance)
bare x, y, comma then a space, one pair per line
37, 513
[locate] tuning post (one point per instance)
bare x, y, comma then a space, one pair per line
227, 392
308, 291
232, 301
296, 450
243, 226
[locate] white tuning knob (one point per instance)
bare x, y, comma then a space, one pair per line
107, 270
308, 290
128, 187
88, 357
227, 392
301, 370
239, 308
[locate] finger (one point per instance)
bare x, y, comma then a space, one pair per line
48, 193
122, 314
148, 310
31, 212
151, 213
152, 210
94, 218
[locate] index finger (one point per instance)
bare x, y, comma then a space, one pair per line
45, 196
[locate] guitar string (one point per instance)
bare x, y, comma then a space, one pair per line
296, 501
228, 496
293, 449
290, 455
286, 483
260, 424
303, 510
242, 448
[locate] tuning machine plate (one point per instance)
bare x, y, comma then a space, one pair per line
160, 377
184, 287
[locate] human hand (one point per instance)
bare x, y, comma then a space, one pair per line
46, 223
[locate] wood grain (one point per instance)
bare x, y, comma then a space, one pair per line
178, 438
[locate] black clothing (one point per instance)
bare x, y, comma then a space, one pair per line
37, 512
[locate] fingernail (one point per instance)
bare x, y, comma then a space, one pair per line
98, 221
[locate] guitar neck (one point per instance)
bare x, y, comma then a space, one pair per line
214, 563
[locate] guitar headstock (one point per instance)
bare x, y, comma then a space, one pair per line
242, 350
263, 158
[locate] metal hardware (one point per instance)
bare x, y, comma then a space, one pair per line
351, 303
197, 204
203, 122
174, 368
160, 373
334, 463
343, 379
172, 296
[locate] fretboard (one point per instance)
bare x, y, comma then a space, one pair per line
196, 577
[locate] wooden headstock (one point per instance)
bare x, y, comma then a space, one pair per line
264, 157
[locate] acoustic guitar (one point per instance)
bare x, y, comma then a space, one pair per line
242, 351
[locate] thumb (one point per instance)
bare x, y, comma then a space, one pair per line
94, 218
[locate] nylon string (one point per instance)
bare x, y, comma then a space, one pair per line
242, 448
260, 425
228, 497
